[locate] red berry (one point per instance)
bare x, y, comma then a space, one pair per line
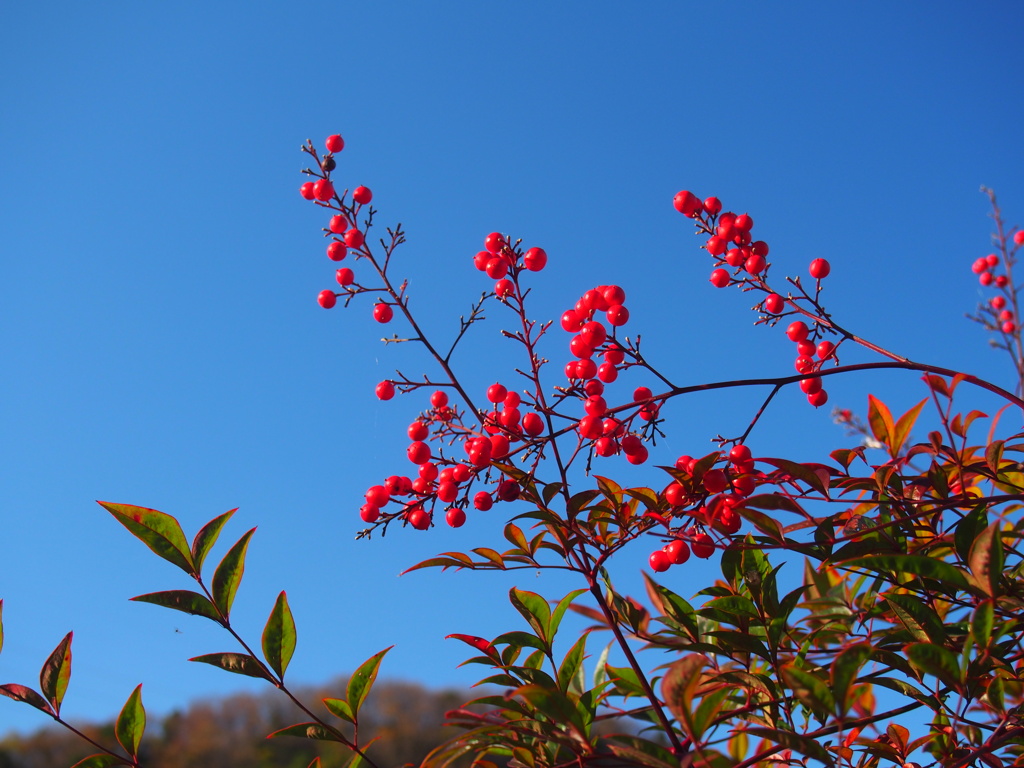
504, 288
323, 190
810, 386
306, 190
418, 431
607, 373
712, 205
455, 517
533, 424
481, 259
985, 278
774, 303
703, 547
1001, 281
590, 427
797, 331
1018, 237
979, 265
362, 195
354, 238
735, 257
494, 242
447, 491
571, 321
419, 452
369, 513
1009, 326
508, 490
744, 223
385, 390
640, 394
428, 472
820, 268
719, 278
499, 446
739, 453
585, 369
659, 561
825, 350
418, 518
675, 495
991, 260
613, 294
803, 364
755, 264
483, 501
759, 247
618, 315
998, 302
535, 259
593, 387
593, 334
716, 245
439, 399
687, 204
638, 456
715, 481
606, 446
1006, 315
338, 224
334, 143
327, 299
806, 348
383, 313
336, 251
818, 398
496, 393
377, 496
678, 552
614, 354
496, 268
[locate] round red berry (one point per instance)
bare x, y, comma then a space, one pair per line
640, 394
336, 250
1001, 281
418, 518
508, 490
385, 390
369, 513
354, 238
678, 552
979, 265
323, 190
806, 348
455, 517
803, 364
306, 190
483, 501
504, 288
593, 334
687, 204
998, 302
607, 373
703, 547
571, 321
585, 369
797, 331
535, 259
362, 195
494, 242
820, 268
818, 399
719, 278
439, 399
992, 260
810, 386
712, 205
774, 303
418, 431
659, 561
338, 224
744, 223
1018, 237
755, 265
327, 299
618, 315
383, 313
715, 481
716, 245
739, 453
985, 278
533, 424
614, 354
334, 143
447, 491
825, 350
419, 452
639, 456
496, 393
614, 294
1009, 326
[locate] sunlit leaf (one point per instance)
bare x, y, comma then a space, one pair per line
569, 671
901, 431
340, 708
986, 559
207, 537
918, 617
945, 575
239, 663
982, 621
182, 600
844, 671
131, 723
158, 531
556, 615
279, 636
56, 673
362, 680
534, 609
880, 420
625, 681
935, 660
229, 572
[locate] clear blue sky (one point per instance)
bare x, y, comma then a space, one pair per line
161, 340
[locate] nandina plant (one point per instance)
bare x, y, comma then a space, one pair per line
897, 642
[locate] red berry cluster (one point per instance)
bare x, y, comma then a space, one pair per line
731, 245
999, 313
705, 493
344, 234
500, 261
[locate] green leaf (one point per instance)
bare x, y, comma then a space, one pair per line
901, 431
340, 708
228, 575
183, 600
798, 743
27, 695
239, 663
935, 660
556, 615
550, 491
534, 609
279, 636
362, 680
986, 559
570, 677
981, 623
160, 532
207, 537
551, 703
947, 576
918, 618
625, 681
56, 673
99, 761
306, 731
812, 691
131, 723
844, 671
968, 529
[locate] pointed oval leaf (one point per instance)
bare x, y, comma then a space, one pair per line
534, 609
986, 559
901, 431
880, 419
229, 572
158, 531
362, 680
944, 574
981, 623
239, 663
56, 672
207, 537
279, 636
306, 731
27, 695
99, 761
556, 615
570, 678
131, 723
182, 600
340, 708
935, 660
845, 670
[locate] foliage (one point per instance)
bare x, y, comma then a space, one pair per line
908, 600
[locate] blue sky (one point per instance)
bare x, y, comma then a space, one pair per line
163, 346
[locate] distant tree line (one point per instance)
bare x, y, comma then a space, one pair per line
231, 732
